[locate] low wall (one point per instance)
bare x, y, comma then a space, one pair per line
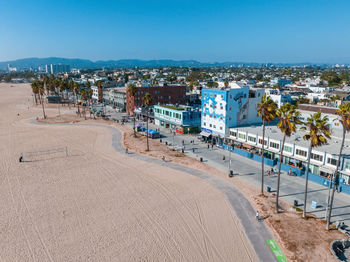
297, 171
267, 161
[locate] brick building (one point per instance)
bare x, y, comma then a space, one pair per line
167, 94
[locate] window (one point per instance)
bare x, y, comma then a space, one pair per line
222, 96
288, 149
260, 141
241, 136
332, 161
347, 165
204, 124
230, 118
316, 157
220, 127
233, 133
231, 96
210, 125
214, 126
205, 94
301, 152
205, 114
220, 117
274, 145
221, 107
252, 139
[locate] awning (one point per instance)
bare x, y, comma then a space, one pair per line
206, 134
326, 170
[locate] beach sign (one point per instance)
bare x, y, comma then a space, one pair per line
276, 250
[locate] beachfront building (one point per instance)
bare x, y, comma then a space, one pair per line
96, 94
115, 96
182, 119
165, 94
248, 142
56, 69
224, 108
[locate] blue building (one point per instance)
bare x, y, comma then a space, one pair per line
228, 107
183, 119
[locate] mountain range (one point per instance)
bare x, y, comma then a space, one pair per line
123, 63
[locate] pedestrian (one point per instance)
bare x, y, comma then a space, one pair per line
208, 146
272, 171
223, 157
126, 150
257, 215
163, 158
193, 150
290, 172
212, 146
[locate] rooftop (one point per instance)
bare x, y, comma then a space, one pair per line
296, 138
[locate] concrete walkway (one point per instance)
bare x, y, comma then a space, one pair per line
292, 188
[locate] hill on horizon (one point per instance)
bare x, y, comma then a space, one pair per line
125, 63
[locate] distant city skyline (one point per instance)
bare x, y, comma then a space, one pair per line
235, 31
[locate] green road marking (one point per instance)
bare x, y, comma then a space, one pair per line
276, 250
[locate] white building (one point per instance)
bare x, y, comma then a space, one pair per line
278, 97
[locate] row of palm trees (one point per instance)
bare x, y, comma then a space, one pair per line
317, 130
147, 101
48, 84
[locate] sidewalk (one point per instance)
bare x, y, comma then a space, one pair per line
291, 188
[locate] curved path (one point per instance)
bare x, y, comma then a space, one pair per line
257, 232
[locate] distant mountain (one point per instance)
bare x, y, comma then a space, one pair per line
124, 63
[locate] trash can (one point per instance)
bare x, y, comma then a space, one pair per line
201, 159
296, 203
268, 189
230, 174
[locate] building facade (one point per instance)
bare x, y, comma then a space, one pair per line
167, 94
56, 69
116, 97
183, 119
226, 108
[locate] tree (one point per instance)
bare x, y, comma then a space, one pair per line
84, 95
147, 101
318, 132
213, 84
226, 83
132, 92
41, 92
35, 90
288, 118
267, 112
344, 118
76, 92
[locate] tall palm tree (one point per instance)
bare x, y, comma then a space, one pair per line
84, 95
318, 131
35, 90
132, 92
76, 92
344, 118
147, 101
288, 118
267, 112
41, 92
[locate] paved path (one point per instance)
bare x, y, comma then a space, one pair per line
257, 232
292, 188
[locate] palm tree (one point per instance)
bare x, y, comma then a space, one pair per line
35, 90
288, 118
76, 92
318, 131
83, 94
147, 101
344, 118
41, 92
267, 112
132, 92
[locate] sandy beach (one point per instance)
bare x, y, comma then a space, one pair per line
98, 204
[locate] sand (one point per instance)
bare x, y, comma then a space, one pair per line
100, 205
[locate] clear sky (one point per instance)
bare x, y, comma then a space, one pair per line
216, 30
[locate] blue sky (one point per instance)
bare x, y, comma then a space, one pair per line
208, 31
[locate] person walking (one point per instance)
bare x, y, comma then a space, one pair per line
208, 146
290, 172
257, 216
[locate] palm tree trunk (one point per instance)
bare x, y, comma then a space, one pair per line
147, 130
279, 172
335, 181
262, 159
134, 125
307, 179
36, 99
42, 104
